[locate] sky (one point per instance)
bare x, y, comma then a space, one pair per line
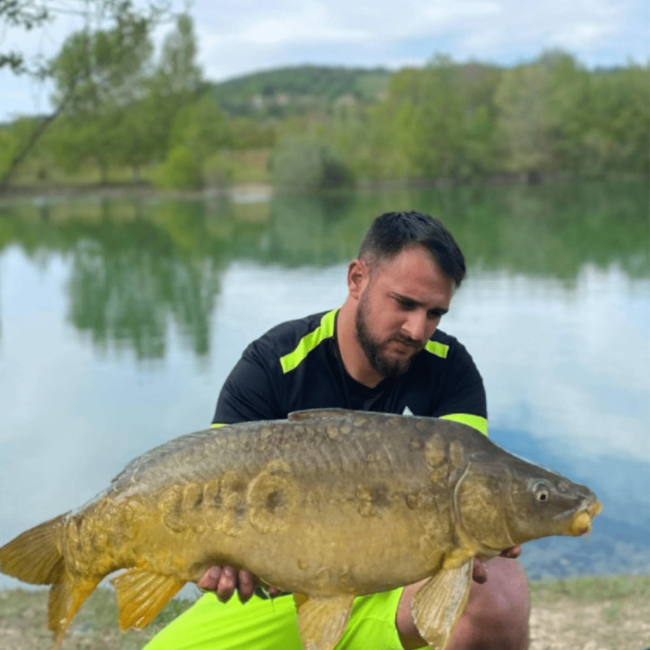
236, 37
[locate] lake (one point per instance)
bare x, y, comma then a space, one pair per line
120, 320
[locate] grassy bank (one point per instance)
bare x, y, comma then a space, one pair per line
605, 613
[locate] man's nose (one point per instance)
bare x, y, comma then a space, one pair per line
415, 326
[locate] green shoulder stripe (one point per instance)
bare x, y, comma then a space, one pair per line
474, 421
308, 342
217, 425
439, 349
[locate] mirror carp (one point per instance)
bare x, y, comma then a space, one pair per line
328, 505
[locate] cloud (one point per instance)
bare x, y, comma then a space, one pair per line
337, 21
241, 36
234, 40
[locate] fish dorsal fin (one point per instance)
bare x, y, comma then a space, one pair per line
321, 621
141, 595
317, 413
438, 604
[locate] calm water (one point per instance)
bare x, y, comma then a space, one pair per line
119, 322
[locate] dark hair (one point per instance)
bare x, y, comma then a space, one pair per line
390, 233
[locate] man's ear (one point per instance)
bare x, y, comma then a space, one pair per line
358, 275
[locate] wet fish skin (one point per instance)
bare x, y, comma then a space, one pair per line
330, 504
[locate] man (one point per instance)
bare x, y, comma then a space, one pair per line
381, 351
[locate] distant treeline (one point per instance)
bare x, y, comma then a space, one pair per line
122, 116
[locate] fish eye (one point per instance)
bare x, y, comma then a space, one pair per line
542, 491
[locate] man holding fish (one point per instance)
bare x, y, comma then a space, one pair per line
381, 351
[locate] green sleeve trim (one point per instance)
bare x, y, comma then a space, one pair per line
217, 425
308, 342
474, 421
439, 349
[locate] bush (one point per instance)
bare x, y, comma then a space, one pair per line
180, 171
308, 164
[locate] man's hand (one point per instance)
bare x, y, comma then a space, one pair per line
480, 571
224, 581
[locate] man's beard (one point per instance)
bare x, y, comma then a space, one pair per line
385, 366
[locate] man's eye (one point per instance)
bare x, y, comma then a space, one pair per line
406, 304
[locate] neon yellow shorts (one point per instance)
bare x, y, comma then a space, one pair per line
272, 625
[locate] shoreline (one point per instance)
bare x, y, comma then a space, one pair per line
246, 191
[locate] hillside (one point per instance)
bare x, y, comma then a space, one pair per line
300, 89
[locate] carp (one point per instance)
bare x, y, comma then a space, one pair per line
328, 505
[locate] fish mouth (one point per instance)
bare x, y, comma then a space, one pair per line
581, 522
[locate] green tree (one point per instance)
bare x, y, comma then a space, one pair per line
175, 83
199, 130
32, 14
98, 77
619, 129
440, 120
542, 113
201, 127
10, 137
140, 138
178, 69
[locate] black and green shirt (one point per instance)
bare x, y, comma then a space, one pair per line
296, 366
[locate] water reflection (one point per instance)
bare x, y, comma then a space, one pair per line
119, 321
137, 267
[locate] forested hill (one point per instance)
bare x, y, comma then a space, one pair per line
298, 89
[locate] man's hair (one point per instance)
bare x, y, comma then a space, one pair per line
391, 233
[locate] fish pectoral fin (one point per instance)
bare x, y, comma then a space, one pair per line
322, 620
141, 595
438, 604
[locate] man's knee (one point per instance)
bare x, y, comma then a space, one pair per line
496, 616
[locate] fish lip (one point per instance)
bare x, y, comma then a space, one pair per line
595, 508
581, 521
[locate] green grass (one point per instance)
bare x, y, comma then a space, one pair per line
597, 589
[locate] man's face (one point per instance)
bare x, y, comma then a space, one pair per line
400, 309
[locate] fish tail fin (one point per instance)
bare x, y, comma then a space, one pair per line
35, 555
66, 598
